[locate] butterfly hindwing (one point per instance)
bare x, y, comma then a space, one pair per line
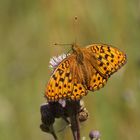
97, 81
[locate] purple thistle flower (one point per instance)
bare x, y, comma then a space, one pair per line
94, 135
56, 60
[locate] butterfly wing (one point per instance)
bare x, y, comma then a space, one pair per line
62, 84
105, 60
97, 81
74, 75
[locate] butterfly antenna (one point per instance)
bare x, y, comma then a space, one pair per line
75, 28
62, 44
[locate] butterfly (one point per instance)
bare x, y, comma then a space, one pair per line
85, 69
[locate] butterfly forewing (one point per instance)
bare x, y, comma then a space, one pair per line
63, 85
108, 58
105, 60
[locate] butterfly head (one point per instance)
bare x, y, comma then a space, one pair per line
75, 47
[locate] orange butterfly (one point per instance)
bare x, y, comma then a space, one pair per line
84, 69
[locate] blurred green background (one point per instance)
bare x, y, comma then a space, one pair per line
28, 28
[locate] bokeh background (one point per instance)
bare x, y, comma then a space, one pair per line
28, 28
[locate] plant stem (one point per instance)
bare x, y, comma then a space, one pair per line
75, 126
74, 119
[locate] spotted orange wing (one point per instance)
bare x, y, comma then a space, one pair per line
106, 61
62, 84
97, 81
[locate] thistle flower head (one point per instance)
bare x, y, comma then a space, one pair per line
56, 60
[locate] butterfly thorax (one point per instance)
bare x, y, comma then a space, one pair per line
78, 52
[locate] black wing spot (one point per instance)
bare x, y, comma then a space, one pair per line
105, 68
70, 80
56, 84
100, 57
67, 74
107, 72
111, 69
54, 77
63, 66
108, 49
60, 71
112, 60
106, 56
102, 47
75, 90
112, 56
101, 64
61, 79
97, 48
